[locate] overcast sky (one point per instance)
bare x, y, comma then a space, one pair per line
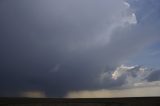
61, 48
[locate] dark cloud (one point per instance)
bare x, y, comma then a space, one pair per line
81, 37
154, 76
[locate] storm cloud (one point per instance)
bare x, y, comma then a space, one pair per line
58, 46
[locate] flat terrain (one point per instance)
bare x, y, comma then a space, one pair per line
136, 101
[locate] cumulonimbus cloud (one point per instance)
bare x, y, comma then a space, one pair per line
59, 46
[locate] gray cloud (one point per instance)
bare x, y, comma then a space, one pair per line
154, 76
136, 92
81, 37
133, 81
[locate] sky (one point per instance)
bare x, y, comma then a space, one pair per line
79, 48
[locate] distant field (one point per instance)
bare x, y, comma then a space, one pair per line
140, 101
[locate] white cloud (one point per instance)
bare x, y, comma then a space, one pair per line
127, 4
120, 70
133, 75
